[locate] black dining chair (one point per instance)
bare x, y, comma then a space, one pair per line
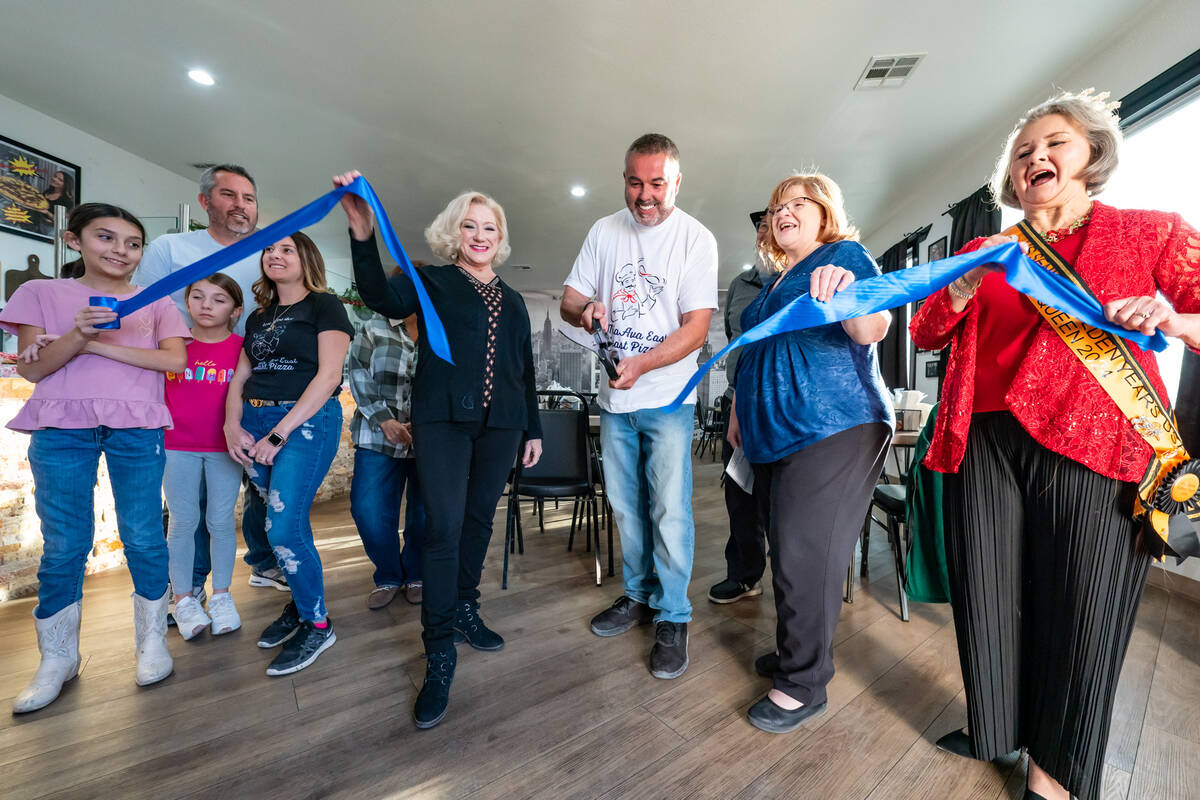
564, 471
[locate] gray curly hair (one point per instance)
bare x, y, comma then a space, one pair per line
1093, 115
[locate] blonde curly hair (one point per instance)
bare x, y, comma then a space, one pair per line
444, 236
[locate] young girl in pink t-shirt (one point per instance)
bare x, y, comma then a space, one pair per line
98, 391
197, 455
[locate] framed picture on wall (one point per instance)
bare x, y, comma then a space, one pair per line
32, 183
936, 250
931, 368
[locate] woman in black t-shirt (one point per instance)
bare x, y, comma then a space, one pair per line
283, 423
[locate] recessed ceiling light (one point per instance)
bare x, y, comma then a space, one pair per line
201, 77
578, 191
747, 266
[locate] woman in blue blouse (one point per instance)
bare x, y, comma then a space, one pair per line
813, 416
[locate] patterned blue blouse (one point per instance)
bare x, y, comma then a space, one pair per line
798, 388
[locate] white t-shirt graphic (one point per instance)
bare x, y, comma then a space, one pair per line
647, 278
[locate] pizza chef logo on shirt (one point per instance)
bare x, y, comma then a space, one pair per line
266, 339
636, 292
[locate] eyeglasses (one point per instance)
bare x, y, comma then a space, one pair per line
794, 205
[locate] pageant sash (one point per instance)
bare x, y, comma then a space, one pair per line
301, 218
1168, 495
897, 288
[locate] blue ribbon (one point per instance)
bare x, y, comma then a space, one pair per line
312, 213
905, 286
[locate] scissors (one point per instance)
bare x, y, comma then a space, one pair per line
607, 352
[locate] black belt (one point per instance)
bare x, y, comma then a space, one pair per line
261, 403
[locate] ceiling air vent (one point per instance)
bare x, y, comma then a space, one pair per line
888, 72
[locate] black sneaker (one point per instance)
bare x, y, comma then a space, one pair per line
434, 697
730, 591
622, 615
669, 658
469, 628
281, 629
303, 647
767, 665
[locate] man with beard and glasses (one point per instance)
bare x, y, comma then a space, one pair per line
229, 196
648, 276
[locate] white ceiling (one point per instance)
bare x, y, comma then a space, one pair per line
523, 100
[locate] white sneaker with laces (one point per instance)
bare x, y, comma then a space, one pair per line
224, 614
190, 617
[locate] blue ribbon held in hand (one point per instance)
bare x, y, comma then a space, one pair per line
312, 213
915, 283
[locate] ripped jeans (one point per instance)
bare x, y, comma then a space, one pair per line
288, 487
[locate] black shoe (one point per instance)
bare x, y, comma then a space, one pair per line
767, 665
622, 615
767, 716
434, 697
302, 649
957, 742
730, 591
469, 628
281, 629
669, 658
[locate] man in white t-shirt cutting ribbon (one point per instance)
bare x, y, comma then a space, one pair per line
648, 276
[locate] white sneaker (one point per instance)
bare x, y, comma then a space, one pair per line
224, 614
190, 617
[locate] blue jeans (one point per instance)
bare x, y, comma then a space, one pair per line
288, 488
375, 493
648, 477
64, 463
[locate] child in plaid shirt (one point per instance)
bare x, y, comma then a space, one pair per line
383, 360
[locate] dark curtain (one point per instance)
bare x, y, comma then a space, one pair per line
894, 360
1187, 402
973, 216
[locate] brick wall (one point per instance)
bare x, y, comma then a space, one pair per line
20, 533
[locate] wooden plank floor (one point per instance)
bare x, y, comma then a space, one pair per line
559, 712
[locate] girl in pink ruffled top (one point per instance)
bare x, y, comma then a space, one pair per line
98, 391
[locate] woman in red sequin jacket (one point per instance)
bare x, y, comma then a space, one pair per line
1045, 561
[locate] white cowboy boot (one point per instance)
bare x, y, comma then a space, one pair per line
58, 641
150, 635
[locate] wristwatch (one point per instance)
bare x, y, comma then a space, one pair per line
275, 440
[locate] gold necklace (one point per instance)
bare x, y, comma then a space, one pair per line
278, 313
1058, 234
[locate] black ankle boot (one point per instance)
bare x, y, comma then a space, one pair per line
469, 628
434, 696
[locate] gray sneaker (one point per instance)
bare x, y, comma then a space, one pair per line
272, 578
621, 616
669, 658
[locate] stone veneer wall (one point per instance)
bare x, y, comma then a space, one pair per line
20, 532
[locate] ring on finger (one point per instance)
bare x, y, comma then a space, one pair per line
1144, 314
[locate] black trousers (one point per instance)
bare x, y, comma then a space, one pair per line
819, 497
1046, 571
463, 467
746, 550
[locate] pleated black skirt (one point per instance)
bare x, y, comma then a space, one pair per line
1046, 571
